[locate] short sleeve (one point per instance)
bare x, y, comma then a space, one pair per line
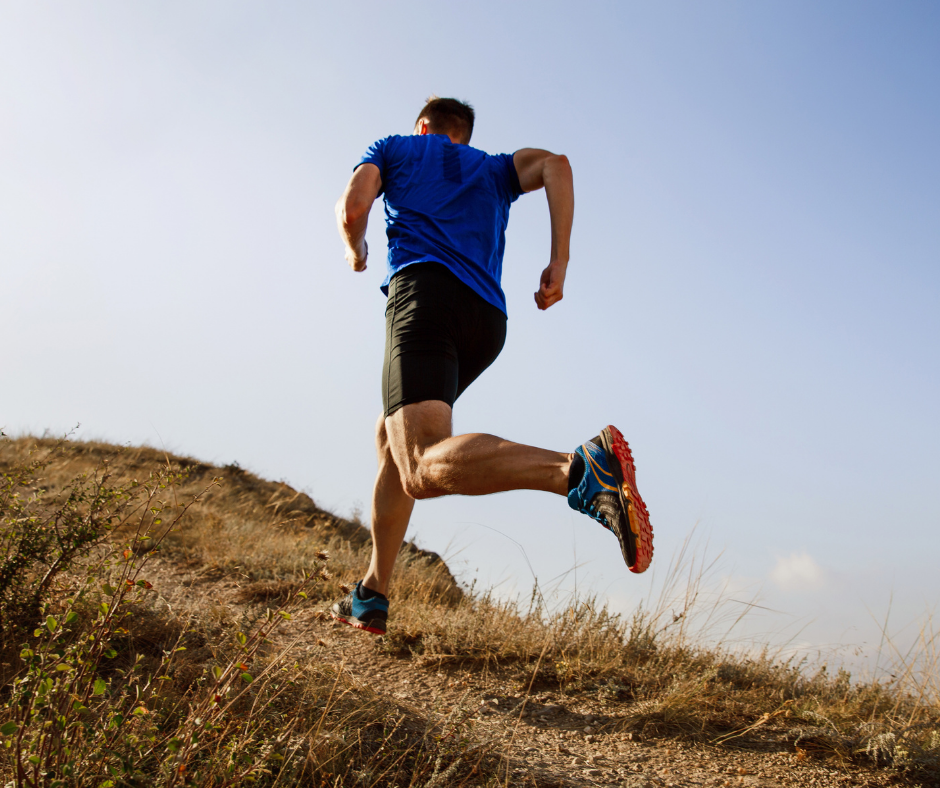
375, 154
507, 169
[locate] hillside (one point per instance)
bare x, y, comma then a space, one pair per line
185, 642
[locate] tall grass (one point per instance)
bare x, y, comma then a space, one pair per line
105, 686
109, 681
661, 671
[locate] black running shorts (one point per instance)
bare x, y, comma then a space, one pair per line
439, 336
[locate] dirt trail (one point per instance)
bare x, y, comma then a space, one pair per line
545, 738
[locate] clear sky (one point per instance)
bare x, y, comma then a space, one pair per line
752, 296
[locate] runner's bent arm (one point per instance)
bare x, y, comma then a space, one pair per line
537, 168
352, 213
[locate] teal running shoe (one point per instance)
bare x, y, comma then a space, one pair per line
368, 614
602, 485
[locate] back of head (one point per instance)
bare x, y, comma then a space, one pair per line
448, 116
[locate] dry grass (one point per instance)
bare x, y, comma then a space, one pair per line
304, 722
658, 676
140, 691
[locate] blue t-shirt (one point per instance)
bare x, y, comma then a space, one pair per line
448, 204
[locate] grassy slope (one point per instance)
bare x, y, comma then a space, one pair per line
311, 717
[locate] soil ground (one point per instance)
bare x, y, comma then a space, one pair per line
544, 738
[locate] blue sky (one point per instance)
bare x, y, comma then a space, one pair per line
752, 296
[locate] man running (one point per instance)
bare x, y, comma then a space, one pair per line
446, 209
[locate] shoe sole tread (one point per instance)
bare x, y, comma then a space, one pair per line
637, 513
355, 622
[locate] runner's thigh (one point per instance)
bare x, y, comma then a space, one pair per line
421, 360
481, 335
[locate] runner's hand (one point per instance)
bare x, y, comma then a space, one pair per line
357, 257
552, 285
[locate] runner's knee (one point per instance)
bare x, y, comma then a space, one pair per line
418, 481
413, 484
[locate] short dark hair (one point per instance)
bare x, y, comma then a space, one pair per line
448, 116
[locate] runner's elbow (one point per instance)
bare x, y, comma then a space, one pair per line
558, 164
350, 212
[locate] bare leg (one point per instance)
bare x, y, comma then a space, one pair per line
391, 511
420, 458
433, 462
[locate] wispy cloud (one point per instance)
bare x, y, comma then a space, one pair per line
797, 572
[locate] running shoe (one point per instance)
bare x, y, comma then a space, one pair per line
368, 614
602, 485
